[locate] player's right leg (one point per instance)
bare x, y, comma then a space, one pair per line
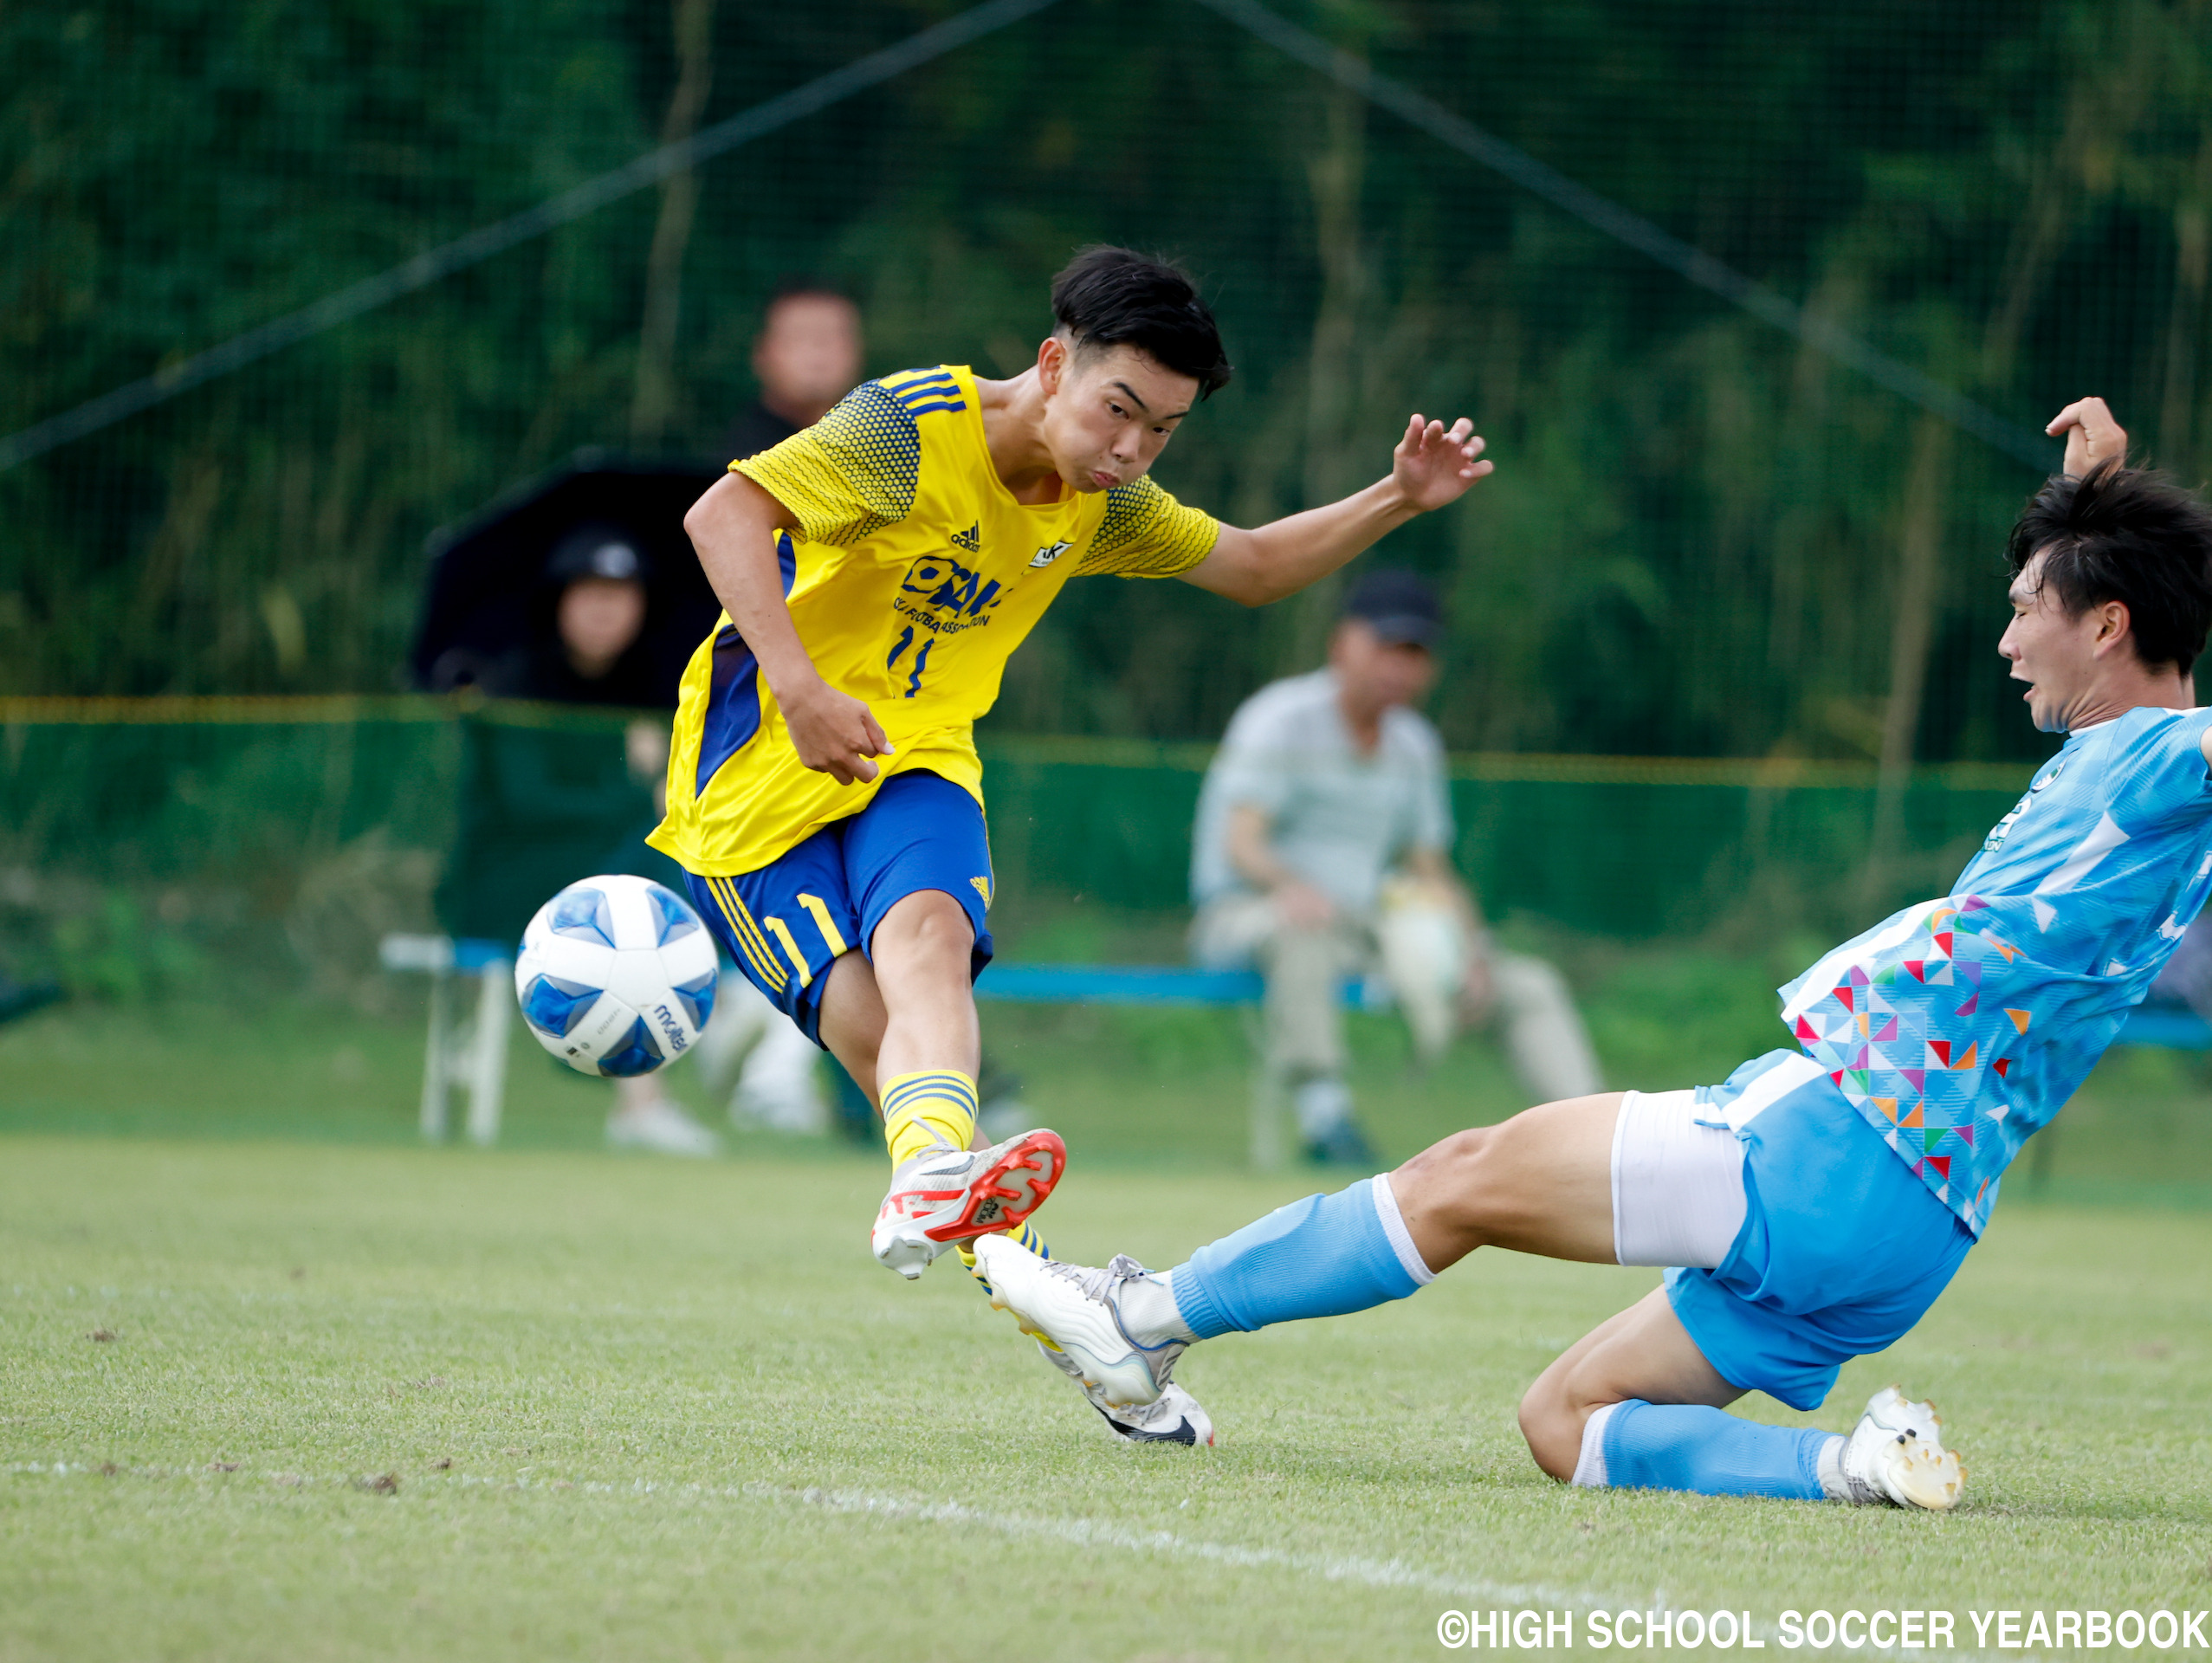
799, 931
948, 1184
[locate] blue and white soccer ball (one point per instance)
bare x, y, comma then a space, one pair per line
616, 975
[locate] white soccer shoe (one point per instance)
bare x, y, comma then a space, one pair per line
1078, 1310
944, 1196
1174, 1417
1896, 1455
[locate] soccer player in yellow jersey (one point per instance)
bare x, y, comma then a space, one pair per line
876, 571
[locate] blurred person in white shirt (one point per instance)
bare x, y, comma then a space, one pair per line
1321, 852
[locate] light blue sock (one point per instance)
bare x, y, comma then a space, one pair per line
1688, 1447
1321, 1257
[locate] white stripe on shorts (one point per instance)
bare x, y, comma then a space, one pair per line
1678, 1184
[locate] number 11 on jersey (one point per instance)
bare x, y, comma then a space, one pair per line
921, 658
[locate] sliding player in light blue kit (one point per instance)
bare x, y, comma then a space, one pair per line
1812, 1207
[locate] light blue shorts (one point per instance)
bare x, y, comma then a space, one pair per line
1842, 1248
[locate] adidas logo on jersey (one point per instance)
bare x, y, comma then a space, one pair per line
971, 540
1046, 556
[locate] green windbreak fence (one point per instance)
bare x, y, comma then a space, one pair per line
141, 841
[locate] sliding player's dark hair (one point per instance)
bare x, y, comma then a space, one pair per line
1115, 297
2130, 535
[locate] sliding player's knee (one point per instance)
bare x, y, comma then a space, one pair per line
1449, 1181
1552, 1423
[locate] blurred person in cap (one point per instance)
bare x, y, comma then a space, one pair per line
1322, 850
587, 627
806, 357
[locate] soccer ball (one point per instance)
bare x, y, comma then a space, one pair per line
616, 975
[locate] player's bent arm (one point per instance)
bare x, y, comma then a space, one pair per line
1247, 840
1432, 466
733, 527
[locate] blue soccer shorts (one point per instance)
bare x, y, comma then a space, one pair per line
1842, 1250
786, 923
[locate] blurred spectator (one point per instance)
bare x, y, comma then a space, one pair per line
588, 651
1322, 850
586, 632
806, 357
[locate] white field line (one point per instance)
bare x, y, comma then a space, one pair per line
1074, 1532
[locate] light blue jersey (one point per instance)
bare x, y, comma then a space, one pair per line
1960, 1026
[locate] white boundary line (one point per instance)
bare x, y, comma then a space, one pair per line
1073, 1532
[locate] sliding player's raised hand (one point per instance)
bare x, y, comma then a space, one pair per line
1434, 465
2092, 435
834, 733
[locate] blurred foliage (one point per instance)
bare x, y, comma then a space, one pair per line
1693, 544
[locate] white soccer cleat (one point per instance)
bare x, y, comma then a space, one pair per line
944, 1196
1076, 1310
1175, 1417
1896, 1455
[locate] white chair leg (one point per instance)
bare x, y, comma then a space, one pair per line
435, 1073
1265, 1112
488, 1063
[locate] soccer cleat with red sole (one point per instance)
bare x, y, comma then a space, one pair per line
944, 1196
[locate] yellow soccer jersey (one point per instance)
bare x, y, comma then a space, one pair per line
913, 577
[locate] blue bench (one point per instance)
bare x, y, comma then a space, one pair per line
1172, 984
474, 1055
2166, 1025
1144, 984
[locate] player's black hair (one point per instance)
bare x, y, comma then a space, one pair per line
1116, 297
2130, 535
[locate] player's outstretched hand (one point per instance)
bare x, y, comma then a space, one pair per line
1434, 465
2092, 435
834, 733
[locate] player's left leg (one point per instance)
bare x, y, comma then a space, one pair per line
899, 1012
1635, 1404
1630, 1178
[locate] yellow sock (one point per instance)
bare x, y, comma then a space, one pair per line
1026, 1235
937, 1105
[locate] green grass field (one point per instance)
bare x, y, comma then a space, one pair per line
373, 1402
360, 1399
